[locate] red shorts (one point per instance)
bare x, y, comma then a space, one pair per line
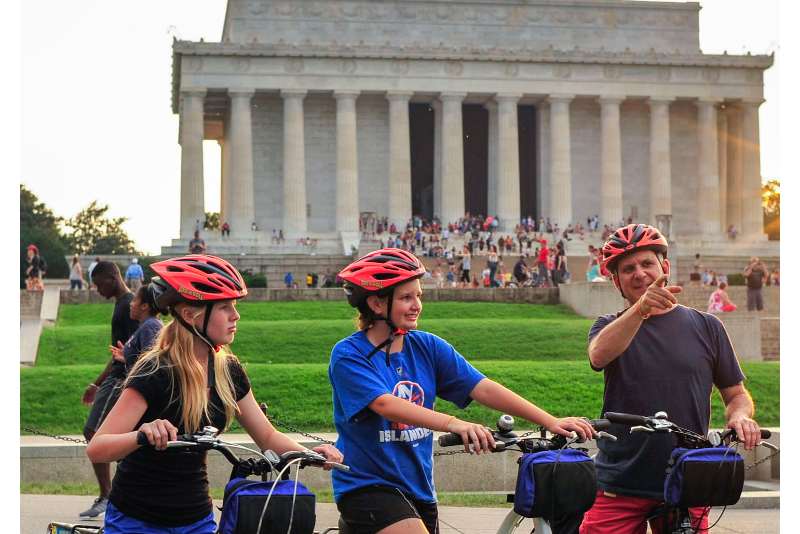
624, 514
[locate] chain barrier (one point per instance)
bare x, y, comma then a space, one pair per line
292, 428
54, 436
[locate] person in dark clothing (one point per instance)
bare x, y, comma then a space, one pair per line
104, 391
655, 355
755, 275
187, 381
143, 310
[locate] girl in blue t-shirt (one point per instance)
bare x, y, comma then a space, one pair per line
386, 378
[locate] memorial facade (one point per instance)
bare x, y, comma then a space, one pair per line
326, 109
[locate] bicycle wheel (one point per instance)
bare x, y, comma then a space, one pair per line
513, 522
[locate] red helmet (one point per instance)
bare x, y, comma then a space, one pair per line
630, 239
378, 271
196, 278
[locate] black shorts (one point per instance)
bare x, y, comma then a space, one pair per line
373, 508
104, 400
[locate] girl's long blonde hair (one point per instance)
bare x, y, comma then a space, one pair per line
174, 350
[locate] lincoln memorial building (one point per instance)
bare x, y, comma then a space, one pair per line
327, 109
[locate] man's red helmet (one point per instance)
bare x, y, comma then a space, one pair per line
378, 271
196, 278
629, 239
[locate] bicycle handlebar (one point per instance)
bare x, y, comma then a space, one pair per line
269, 459
506, 438
660, 423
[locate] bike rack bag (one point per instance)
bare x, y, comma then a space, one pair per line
551, 484
704, 477
244, 500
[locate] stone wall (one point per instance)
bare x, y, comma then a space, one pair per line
30, 304
267, 122
612, 26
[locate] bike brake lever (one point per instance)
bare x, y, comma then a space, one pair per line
641, 429
605, 435
769, 445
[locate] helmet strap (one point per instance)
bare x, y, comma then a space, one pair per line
193, 329
393, 331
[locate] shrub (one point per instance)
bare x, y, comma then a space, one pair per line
736, 279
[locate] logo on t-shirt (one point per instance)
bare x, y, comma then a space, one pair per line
413, 393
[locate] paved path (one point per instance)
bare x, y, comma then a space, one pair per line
36, 511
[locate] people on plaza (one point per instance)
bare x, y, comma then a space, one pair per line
188, 380
755, 275
492, 261
386, 378
656, 355
466, 264
541, 263
75, 274
197, 245
225, 229
103, 392
520, 270
696, 277
134, 275
36, 269
719, 301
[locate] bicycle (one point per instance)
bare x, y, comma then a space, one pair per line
713, 486
268, 464
506, 440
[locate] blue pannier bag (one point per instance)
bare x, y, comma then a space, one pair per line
704, 477
244, 500
552, 484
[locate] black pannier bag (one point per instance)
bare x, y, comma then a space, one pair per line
552, 484
704, 477
244, 500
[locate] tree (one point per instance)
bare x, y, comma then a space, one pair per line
212, 221
93, 232
40, 226
771, 203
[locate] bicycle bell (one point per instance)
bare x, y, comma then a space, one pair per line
505, 423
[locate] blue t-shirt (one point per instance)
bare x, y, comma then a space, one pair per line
141, 341
377, 450
134, 272
670, 365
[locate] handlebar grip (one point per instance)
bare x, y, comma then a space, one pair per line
141, 439
765, 434
600, 424
450, 440
625, 418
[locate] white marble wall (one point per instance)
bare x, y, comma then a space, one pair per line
585, 132
320, 135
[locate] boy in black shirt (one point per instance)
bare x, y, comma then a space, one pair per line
102, 394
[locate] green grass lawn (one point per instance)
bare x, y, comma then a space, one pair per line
538, 351
300, 393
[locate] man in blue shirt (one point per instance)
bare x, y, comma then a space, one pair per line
134, 275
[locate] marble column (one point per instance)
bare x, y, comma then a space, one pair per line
399, 159
734, 200
708, 167
437, 158
346, 162
660, 166
752, 212
611, 160
508, 195
492, 174
722, 153
191, 141
241, 201
295, 220
452, 158
560, 160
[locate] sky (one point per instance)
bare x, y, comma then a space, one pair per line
97, 122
